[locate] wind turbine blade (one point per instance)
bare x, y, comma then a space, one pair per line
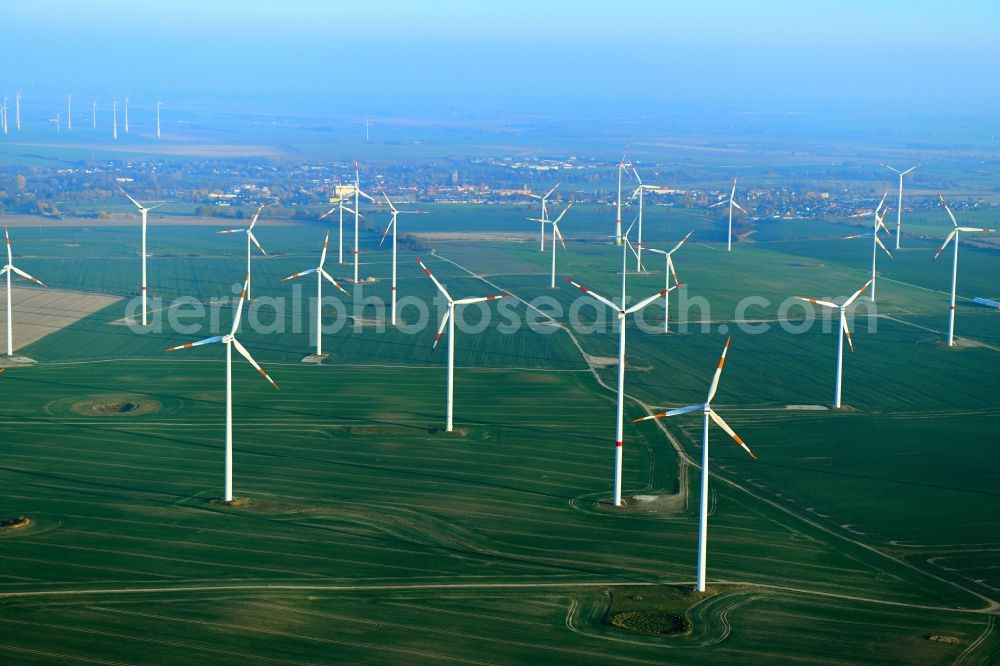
332, 281
718, 373
25, 275
188, 345
255, 216
976, 229
725, 426
353, 212
736, 205
732, 194
243, 352
296, 275
440, 331
367, 196
846, 330
326, 243
597, 296
895, 169
881, 203
386, 232
818, 302
672, 412
636, 172
560, 217
549, 193
858, 293
558, 234
884, 249
944, 203
852, 237
386, 196
137, 204
239, 308
10, 254
683, 240
479, 299
673, 272
719, 203
909, 170
329, 212
431, 275
947, 240
231, 231
254, 239
646, 301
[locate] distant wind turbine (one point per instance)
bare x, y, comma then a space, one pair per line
250, 239
669, 272
556, 235
623, 166
143, 213
623, 312
340, 207
320, 275
842, 332
357, 215
8, 269
69, 112
126, 114
114, 116
709, 413
545, 215
899, 206
158, 105
17, 110
954, 269
230, 341
449, 321
93, 115
876, 241
732, 203
392, 224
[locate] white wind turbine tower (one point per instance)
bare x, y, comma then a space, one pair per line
449, 321
954, 268
669, 271
143, 212
93, 115
639, 192
357, 215
114, 116
250, 239
899, 206
320, 274
545, 215
3, 115
622, 167
709, 413
158, 105
876, 241
17, 110
57, 121
8, 269
732, 204
844, 331
126, 114
623, 312
230, 341
69, 112
556, 235
392, 224
340, 207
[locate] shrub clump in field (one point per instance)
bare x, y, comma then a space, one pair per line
653, 621
14, 523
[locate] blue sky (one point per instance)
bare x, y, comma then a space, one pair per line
524, 57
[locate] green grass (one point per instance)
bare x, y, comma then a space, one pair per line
375, 537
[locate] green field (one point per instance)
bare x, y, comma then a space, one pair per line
375, 537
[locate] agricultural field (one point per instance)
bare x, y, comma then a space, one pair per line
364, 532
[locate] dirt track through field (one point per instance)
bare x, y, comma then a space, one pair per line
38, 312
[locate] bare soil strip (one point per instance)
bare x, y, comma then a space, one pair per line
38, 312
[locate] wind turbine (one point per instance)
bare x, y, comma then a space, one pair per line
876, 241
449, 321
320, 274
126, 114
93, 115
392, 224
640, 191
114, 116
357, 215
8, 269
341, 208
669, 271
556, 235
709, 413
623, 312
3, 115
57, 121
732, 204
899, 206
143, 212
250, 239
230, 341
69, 112
954, 268
545, 214
17, 110
844, 331
158, 105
